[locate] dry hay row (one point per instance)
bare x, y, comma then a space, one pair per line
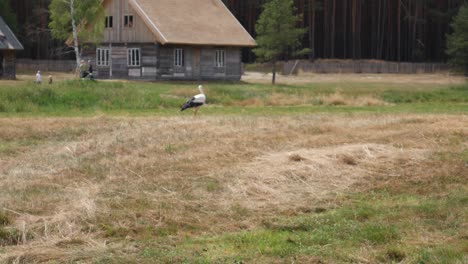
163, 171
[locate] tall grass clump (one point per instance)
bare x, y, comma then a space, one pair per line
75, 96
80, 95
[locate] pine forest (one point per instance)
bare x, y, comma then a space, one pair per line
393, 30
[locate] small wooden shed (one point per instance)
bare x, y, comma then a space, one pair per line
169, 39
9, 44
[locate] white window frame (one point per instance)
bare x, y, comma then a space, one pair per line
133, 57
179, 57
109, 23
103, 57
128, 25
220, 58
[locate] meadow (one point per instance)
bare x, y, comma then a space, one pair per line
318, 169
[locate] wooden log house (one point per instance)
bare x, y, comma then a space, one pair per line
169, 40
9, 45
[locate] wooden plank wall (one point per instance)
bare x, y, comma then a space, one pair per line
207, 63
119, 62
166, 62
157, 62
46, 65
118, 34
149, 61
231, 70
207, 68
9, 65
233, 64
1, 64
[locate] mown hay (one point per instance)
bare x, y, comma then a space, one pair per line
273, 181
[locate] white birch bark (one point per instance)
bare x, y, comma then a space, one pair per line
75, 34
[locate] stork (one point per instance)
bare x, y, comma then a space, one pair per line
195, 102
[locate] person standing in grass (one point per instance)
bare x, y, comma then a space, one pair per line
90, 70
83, 68
38, 77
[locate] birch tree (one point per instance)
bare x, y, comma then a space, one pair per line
80, 21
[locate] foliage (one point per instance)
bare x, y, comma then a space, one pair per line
88, 14
457, 42
277, 32
78, 20
8, 15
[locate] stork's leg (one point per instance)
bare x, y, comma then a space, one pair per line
196, 111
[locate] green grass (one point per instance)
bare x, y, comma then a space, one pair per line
381, 223
81, 96
78, 98
451, 95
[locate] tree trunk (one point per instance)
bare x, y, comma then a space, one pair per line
332, 44
414, 37
75, 35
273, 79
326, 28
311, 11
359, 24
382, 30
345, 28
353, 28
399, 31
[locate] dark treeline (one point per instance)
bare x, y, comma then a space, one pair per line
395, 30
33, 31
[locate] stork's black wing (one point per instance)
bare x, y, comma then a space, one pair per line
190, 103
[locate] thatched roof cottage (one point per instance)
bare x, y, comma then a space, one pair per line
170, 39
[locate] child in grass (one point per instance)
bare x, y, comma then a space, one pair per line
38, 77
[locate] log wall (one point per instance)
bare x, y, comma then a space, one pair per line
157, 63
8, 65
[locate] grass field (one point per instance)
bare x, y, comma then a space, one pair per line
351, 169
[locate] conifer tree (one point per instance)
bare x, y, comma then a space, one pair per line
277, 32
457, 42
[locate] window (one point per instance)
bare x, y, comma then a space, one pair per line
103, 57
109, 21
220, 58
133, 57
179, 57
128, 21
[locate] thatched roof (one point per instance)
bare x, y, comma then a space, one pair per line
8, 40
195, 22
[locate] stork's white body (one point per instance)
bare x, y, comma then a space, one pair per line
196, 101
199, 98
